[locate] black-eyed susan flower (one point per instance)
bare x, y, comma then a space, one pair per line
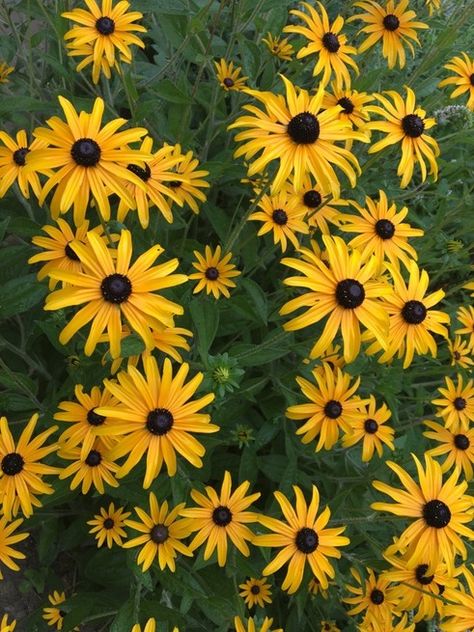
465, 316
223, 516
111, 288
294, 131
345, 289
460, 606
371, 429
13, 160
5, 625
381, 231
420, 586
161, 535
302, 538
456, 406
189, 179
325, 41
278, 46
157, 416
405, 123
57, 253
103, 34
283, 215
157, 174
256, 592
352, 103
439, 510
241, 625
392, 24
21, 470
460, 352
411, 318
54, 616
320, 208
84, 420
8, 537
314, 588
329, 626
463, 69
373, 596
229, 77
433, 6
331, 408
108, 526
89, 161
214, 272
93, 470
5, 71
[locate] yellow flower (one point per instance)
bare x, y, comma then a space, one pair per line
228, 76
213, 272
91, 160
465, 315
294, 130
393, 24
352, 103
314, 588
279, 47
5, 70
319, 206
250, 626
371, 430
100, 32
456, 406
433, 5
92, 470
161, 534
325, 41
304, 538
55, 616
460, 606
188, 180
13, 161
21, 470
463, 79
406, 124
7, 538
375, 598
256, 592
111, 287
108, 526
460, 353
329, 626
156, 418
222, 516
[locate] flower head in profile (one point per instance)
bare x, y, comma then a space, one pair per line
371, 429
456, 406
326, 41
439, 511
13, 154
21, 470
463, 79
103, 35
294, 130
373, 596
214, 272
280, 47
157, 416
90, 470
8, 538
393, 24
405, 123
303, 538
112, 287
54, 616
222, 517
108, 526
465, 316
89, 161
161, 535
256, 592
188, 179
229, 77
241, 625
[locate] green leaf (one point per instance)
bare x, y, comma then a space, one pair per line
131, 346
19, 295
168, 91
205, 315
124, 619
13, 262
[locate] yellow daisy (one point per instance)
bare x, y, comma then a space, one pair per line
331, 407
102, 30
439, 512
161, 534
13, 160
314, 588
456, 406
250, 625
320, 208
371, 429
213, 272
279, 47
256, 592
304, 538
460, 353
223, 516
352, 103
21, 470
329, 626
460, 606
189, 179
458, 446
375, 597
158, 417
108, 526
111, 287
294, 130
463, 68
391, 23
89, 160
344, 288
465, 315
406, 124
8, 537
92, 471
5, 70
5, 626
55, 616
325, 41
229, 77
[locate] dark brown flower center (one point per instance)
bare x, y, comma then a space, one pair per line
414, 312
85, 152
471, 79
421, 576
377, 597
346, 104
105, 25
391, 22
12, 463
212, 273
333, 409
350, 293
413, 125
143, 174
303, 128
331, 42
159, 533
280, 217
70, 254
222, 516
159, 421
459, 403
175, 184
228, 82
255, 590
461, 442
436, 514
108, 523
312, 199
94, 418
19, 156
93, 458
371, 426
116, 288
385, 229
307, 540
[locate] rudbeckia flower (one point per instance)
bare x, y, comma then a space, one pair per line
320, 207
352, 103
371, 429
460, 606
456, 406
228, 76
8, 537
92, 470
189, 179
55, 616
12, 164
214, 272
256, 592
375, 597
5, 70
463, 68
279, 47
458, 446
5, 626
108, 526
460, 353
251, 626
465, 315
